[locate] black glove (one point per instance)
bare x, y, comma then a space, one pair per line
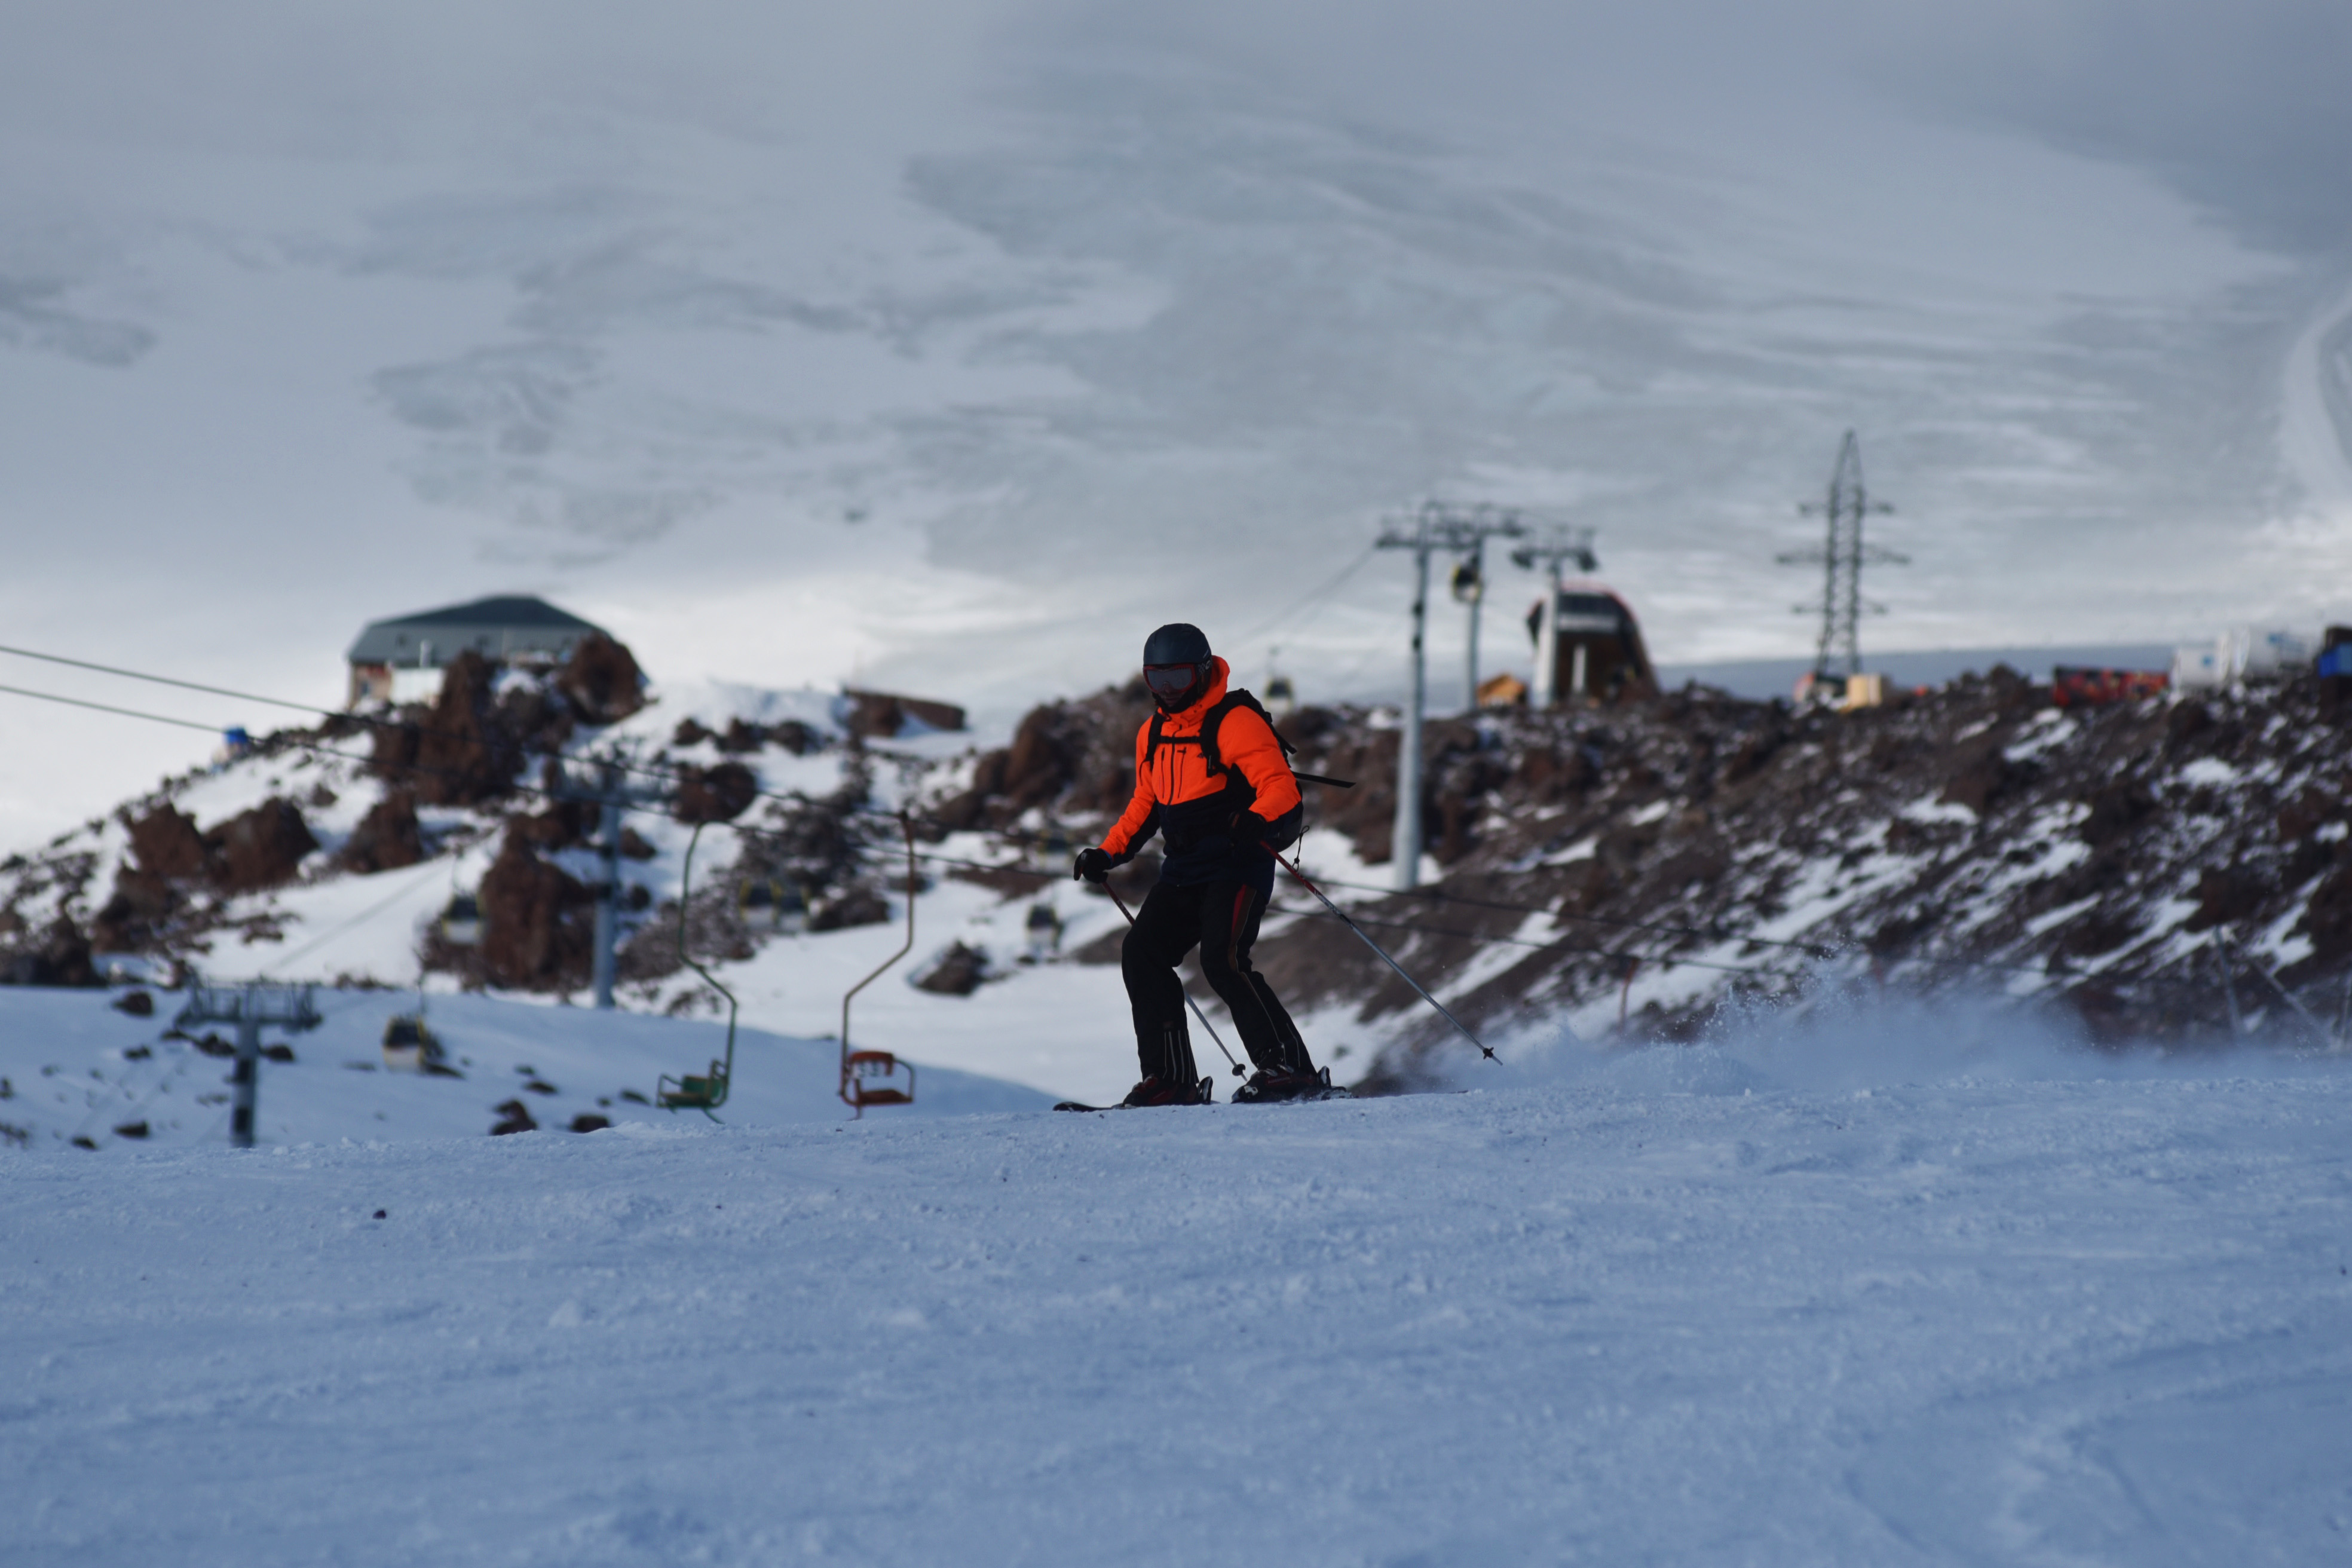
1092, 864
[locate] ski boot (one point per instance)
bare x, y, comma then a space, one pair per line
1268, 1085
1159, 1091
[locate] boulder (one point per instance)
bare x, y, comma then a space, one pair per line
715, 795
259, 848
165, 843
958, 971
387, 837
538, 922
601, 681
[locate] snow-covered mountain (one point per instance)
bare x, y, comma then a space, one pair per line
975, 339
2162, 871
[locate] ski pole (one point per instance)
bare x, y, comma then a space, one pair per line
1180, 985
1300, 878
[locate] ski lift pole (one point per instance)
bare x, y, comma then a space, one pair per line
1188, 995
1300, 878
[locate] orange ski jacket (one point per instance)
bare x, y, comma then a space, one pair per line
1177, 794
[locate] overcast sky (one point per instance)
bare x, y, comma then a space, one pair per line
955, 345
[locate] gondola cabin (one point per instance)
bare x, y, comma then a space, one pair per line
461, 923
1588, 649
408, 1045
1281, 696
765, 904
1043, 928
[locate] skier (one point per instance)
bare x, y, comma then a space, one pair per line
1211, 780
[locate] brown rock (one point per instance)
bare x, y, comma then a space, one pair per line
601, 681
136, 1003
259, 848
142, 901
2115, 810
855, 907
165, 843
61, 959
715, 795
959, 972
387, 836
537, 922
2224, 896
564, 824
456, 753
2306, 813
1981, 777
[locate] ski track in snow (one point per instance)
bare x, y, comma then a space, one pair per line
1680, 1308
2316, 410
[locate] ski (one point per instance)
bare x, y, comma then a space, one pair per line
1208, 1097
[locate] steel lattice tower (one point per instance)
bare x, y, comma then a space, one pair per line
1841, 558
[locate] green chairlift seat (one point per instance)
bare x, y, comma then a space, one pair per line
705, 1093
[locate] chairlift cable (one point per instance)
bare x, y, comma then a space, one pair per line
1314, 598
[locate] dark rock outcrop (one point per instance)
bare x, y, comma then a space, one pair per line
537, 922
259, 848
387, 837
601, 681
715, 795
958, 971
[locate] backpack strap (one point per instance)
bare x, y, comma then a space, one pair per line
1216, 717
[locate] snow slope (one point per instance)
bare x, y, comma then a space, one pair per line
65, 1057
1686, 1306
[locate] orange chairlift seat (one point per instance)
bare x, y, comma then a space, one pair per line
878, 1078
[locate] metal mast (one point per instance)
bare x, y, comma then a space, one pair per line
1841, 558
1462, 530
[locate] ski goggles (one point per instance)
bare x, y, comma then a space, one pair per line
1170, 679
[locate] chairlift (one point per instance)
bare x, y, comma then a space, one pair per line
767, 904
879, 1078
1469, 583
461, 923
705, 1093
411, 1045
1045, 929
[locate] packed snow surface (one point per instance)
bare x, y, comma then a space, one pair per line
72, 1066
1677, 1305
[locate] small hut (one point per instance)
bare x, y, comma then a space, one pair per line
398, 659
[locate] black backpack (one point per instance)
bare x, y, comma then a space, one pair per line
1211, 722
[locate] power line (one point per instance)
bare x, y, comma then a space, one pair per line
108, 708
1312, 597
372, 720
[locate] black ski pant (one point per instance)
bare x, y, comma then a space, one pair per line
1222, 916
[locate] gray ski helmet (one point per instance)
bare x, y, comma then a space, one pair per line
1176, 643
